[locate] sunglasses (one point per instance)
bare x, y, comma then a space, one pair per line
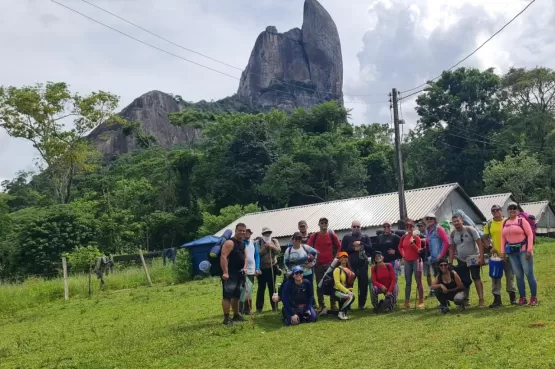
387, 226
298, 273
323, 223
429, 218
495, 210
443, 265
298, 238
512, 208
355, 226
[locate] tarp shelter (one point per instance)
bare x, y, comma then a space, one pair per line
200, 249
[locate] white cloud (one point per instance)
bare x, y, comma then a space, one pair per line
385, 44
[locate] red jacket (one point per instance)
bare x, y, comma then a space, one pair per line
384, 276
408, 250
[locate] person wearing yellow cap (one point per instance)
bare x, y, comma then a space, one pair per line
343, 279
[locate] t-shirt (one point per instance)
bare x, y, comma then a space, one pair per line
495, 233
410, 251
465, 242
325, 246
293, 257
389, 241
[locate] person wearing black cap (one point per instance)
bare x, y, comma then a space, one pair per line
448, 287
359, 248
384, 282
388, 244
300, 255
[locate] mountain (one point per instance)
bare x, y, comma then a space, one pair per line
298, 68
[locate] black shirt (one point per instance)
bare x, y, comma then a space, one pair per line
387, 242
236, 258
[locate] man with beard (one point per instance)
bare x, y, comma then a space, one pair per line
359, 247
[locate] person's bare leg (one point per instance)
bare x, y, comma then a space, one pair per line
480, 291
234, 306
225, 306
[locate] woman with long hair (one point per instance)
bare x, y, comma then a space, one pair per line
410, 251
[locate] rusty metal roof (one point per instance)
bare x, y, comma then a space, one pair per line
371, 211
486, 202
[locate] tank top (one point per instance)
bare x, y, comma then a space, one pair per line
236, 258
451, 284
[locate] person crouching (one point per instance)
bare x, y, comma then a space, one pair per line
383, 281
298, 299
448, 287
343, 279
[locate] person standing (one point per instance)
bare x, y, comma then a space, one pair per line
303, 229
492, 241
388, 245
425, 259
268, 249
233, 260
464, 242
300, 255
253, 269
410, 251
328, 245
383, 281
359, 247
518, 239
437, 240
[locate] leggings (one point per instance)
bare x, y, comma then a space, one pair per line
413, 267
376, 294
345, 300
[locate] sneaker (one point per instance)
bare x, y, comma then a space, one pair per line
227, 321
324, 311
512, 297
533, 301
239, 318
522, 301
341, 315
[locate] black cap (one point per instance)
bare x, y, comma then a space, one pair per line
297, 234
378, 253
323, 220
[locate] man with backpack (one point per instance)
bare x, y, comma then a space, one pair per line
359, 247
384, 282
492, 241
233, 260
328, 245
268, 249
466, 245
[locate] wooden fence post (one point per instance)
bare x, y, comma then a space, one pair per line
66, 286
145, 267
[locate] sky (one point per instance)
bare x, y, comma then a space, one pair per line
385, 44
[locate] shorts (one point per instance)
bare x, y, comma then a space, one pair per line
473, 270
231, 289
427, 268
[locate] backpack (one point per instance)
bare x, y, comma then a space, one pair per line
335, 247
328, 282
520, 218
216, 250
531, 219
308, 254
467, 228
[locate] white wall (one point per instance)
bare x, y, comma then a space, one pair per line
454, 202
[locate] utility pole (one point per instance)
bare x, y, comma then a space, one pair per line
399, 157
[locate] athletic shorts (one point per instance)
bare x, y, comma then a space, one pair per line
473, 270
231, 289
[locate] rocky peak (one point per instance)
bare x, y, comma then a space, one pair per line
298, 68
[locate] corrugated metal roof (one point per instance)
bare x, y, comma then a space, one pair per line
487, 201
535, 208
371, 211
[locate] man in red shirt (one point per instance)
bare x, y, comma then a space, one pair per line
328, 245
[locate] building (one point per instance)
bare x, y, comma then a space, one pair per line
371, 211
545, 216
487, 201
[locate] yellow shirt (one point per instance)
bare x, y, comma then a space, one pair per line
495, 232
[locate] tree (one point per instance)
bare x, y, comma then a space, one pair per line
521, 175
214, 223
40, 115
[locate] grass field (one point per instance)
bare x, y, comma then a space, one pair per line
180, 327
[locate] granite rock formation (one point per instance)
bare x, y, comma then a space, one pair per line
298, 68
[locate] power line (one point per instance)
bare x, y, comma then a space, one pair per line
206, 56
478, 48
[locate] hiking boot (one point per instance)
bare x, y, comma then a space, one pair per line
496, 302
239, 318
341, 315
444, 309
522, 301
533, 301
512, 297
227, 321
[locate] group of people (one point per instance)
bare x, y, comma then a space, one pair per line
321, 261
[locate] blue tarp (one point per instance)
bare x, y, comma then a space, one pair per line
204, 241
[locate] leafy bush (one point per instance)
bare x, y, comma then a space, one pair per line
81, 258
183, 265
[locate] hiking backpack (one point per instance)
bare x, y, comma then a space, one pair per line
216, 250
531, 220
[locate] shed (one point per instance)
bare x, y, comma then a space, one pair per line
487, 201
545, 216
200, 249
371, 211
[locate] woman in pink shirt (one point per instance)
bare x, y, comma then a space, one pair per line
518, 240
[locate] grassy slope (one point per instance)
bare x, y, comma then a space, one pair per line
179, 327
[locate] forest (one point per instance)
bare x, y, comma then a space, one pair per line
490, 133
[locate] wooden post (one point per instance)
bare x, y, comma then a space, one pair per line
145, 267
66, 286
